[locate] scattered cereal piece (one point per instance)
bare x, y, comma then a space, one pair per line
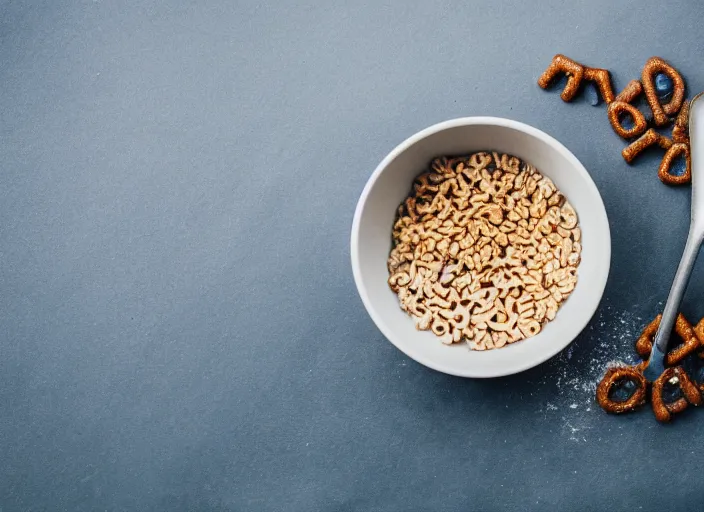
675, 376
626, 120
683, 329
680, 132
614, 377
563, 65
629, 93
668, 173
654, 66
661, 82
575, 72
649, 138
623, 389
602, 79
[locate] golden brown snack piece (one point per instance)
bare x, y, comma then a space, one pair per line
661, 112
575, 73
680, 147
692, 393
615, 112
602, 79
683, 329
699, 333
663, 411
614, 376
629, 93
622, 105
573, 70
699, 330
690, 342
676, 150
644, 344
649, 138
680, 132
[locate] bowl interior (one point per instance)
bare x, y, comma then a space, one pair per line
391, 183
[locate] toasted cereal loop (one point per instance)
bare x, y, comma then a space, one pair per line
614, 376
649, 138
573, 70
699, 333
661, 112
602, 79
615, 112
665, 174
663, 411
683, 329
680, 131
622, 105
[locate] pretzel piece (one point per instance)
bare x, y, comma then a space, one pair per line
644, 344
664, 411
699, 333
683, 329
676, 150
602, 79
649, 138
680, 132
629, 93
614, 376
615, 111
573, 70
622, 105
661, 112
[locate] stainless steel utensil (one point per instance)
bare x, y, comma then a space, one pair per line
656, 363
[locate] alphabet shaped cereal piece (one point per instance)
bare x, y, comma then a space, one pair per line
602, 79
622, 105
649, 138
573, 70
661, 112
665, 174
663, 410
683, 329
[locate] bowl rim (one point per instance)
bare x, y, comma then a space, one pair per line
599, 210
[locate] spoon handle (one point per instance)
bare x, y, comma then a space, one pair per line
694, 240
679, 285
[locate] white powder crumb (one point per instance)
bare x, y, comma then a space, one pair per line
615, 364
571, 378
573, 431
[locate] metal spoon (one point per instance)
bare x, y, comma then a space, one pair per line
656, 363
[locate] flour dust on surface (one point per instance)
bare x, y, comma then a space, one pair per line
571, 378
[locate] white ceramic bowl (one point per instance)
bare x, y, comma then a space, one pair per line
390, 184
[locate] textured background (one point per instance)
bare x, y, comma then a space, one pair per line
179, 325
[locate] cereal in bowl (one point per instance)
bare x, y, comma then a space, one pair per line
485, 250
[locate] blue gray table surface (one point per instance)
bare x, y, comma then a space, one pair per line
179, 326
